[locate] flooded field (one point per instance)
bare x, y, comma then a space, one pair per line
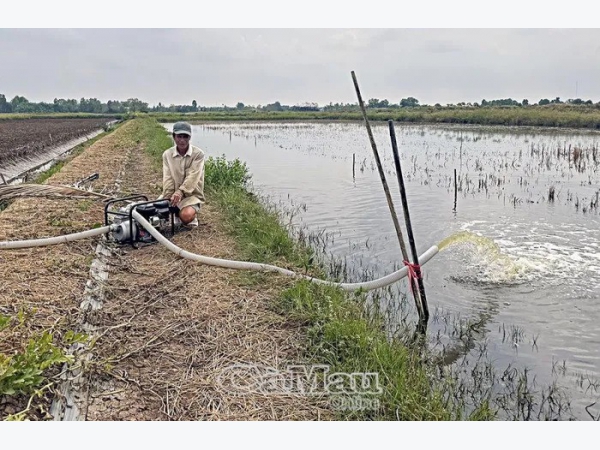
520, 259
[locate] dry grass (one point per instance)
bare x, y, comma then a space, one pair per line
168, 327
47, 282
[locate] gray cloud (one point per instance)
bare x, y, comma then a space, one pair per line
259, 66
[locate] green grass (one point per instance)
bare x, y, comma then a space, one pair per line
554, 115
43, 176
155, 137
342, 335
569, 116
258, 232
223, 174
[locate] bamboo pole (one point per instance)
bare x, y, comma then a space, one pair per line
424, 310
386, 189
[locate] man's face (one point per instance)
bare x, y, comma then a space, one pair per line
182, 141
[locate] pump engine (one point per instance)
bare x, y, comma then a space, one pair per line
128, 231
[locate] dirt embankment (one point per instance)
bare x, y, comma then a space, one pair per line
168, 327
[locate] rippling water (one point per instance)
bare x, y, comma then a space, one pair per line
519, 260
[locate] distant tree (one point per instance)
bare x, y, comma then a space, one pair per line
525, 102
273, 107
135, 105
46, 107
5, 107
239, 105
544, 101
25, 107
409, 102
305, 107
92, 105
62, 105
376, 103
437, 105
115, 106
502, 102
194, 105
95, 105
556, 100
16, 101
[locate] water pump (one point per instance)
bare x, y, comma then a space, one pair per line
128, 231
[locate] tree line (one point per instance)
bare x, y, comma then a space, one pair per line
20, 104
411, 102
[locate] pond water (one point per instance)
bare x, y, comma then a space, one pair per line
523, 266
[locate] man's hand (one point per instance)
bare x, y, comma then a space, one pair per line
176, 198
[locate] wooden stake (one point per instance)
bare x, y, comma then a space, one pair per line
3, 179
422, 302
386, 189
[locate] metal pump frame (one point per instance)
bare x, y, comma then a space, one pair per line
129, 214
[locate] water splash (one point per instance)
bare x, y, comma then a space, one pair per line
486, 263
469, 237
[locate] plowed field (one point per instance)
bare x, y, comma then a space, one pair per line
24, 138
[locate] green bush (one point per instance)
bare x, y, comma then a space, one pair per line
220, 173
24, 371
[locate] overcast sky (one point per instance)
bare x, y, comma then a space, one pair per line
293, 66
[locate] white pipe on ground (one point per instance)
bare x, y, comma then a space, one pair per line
225, 263
8, 245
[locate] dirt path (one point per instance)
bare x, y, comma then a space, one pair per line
169, 327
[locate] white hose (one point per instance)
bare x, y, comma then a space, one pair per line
7, 245
225, 263
366, 286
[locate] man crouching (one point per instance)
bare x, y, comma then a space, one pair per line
183, 175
